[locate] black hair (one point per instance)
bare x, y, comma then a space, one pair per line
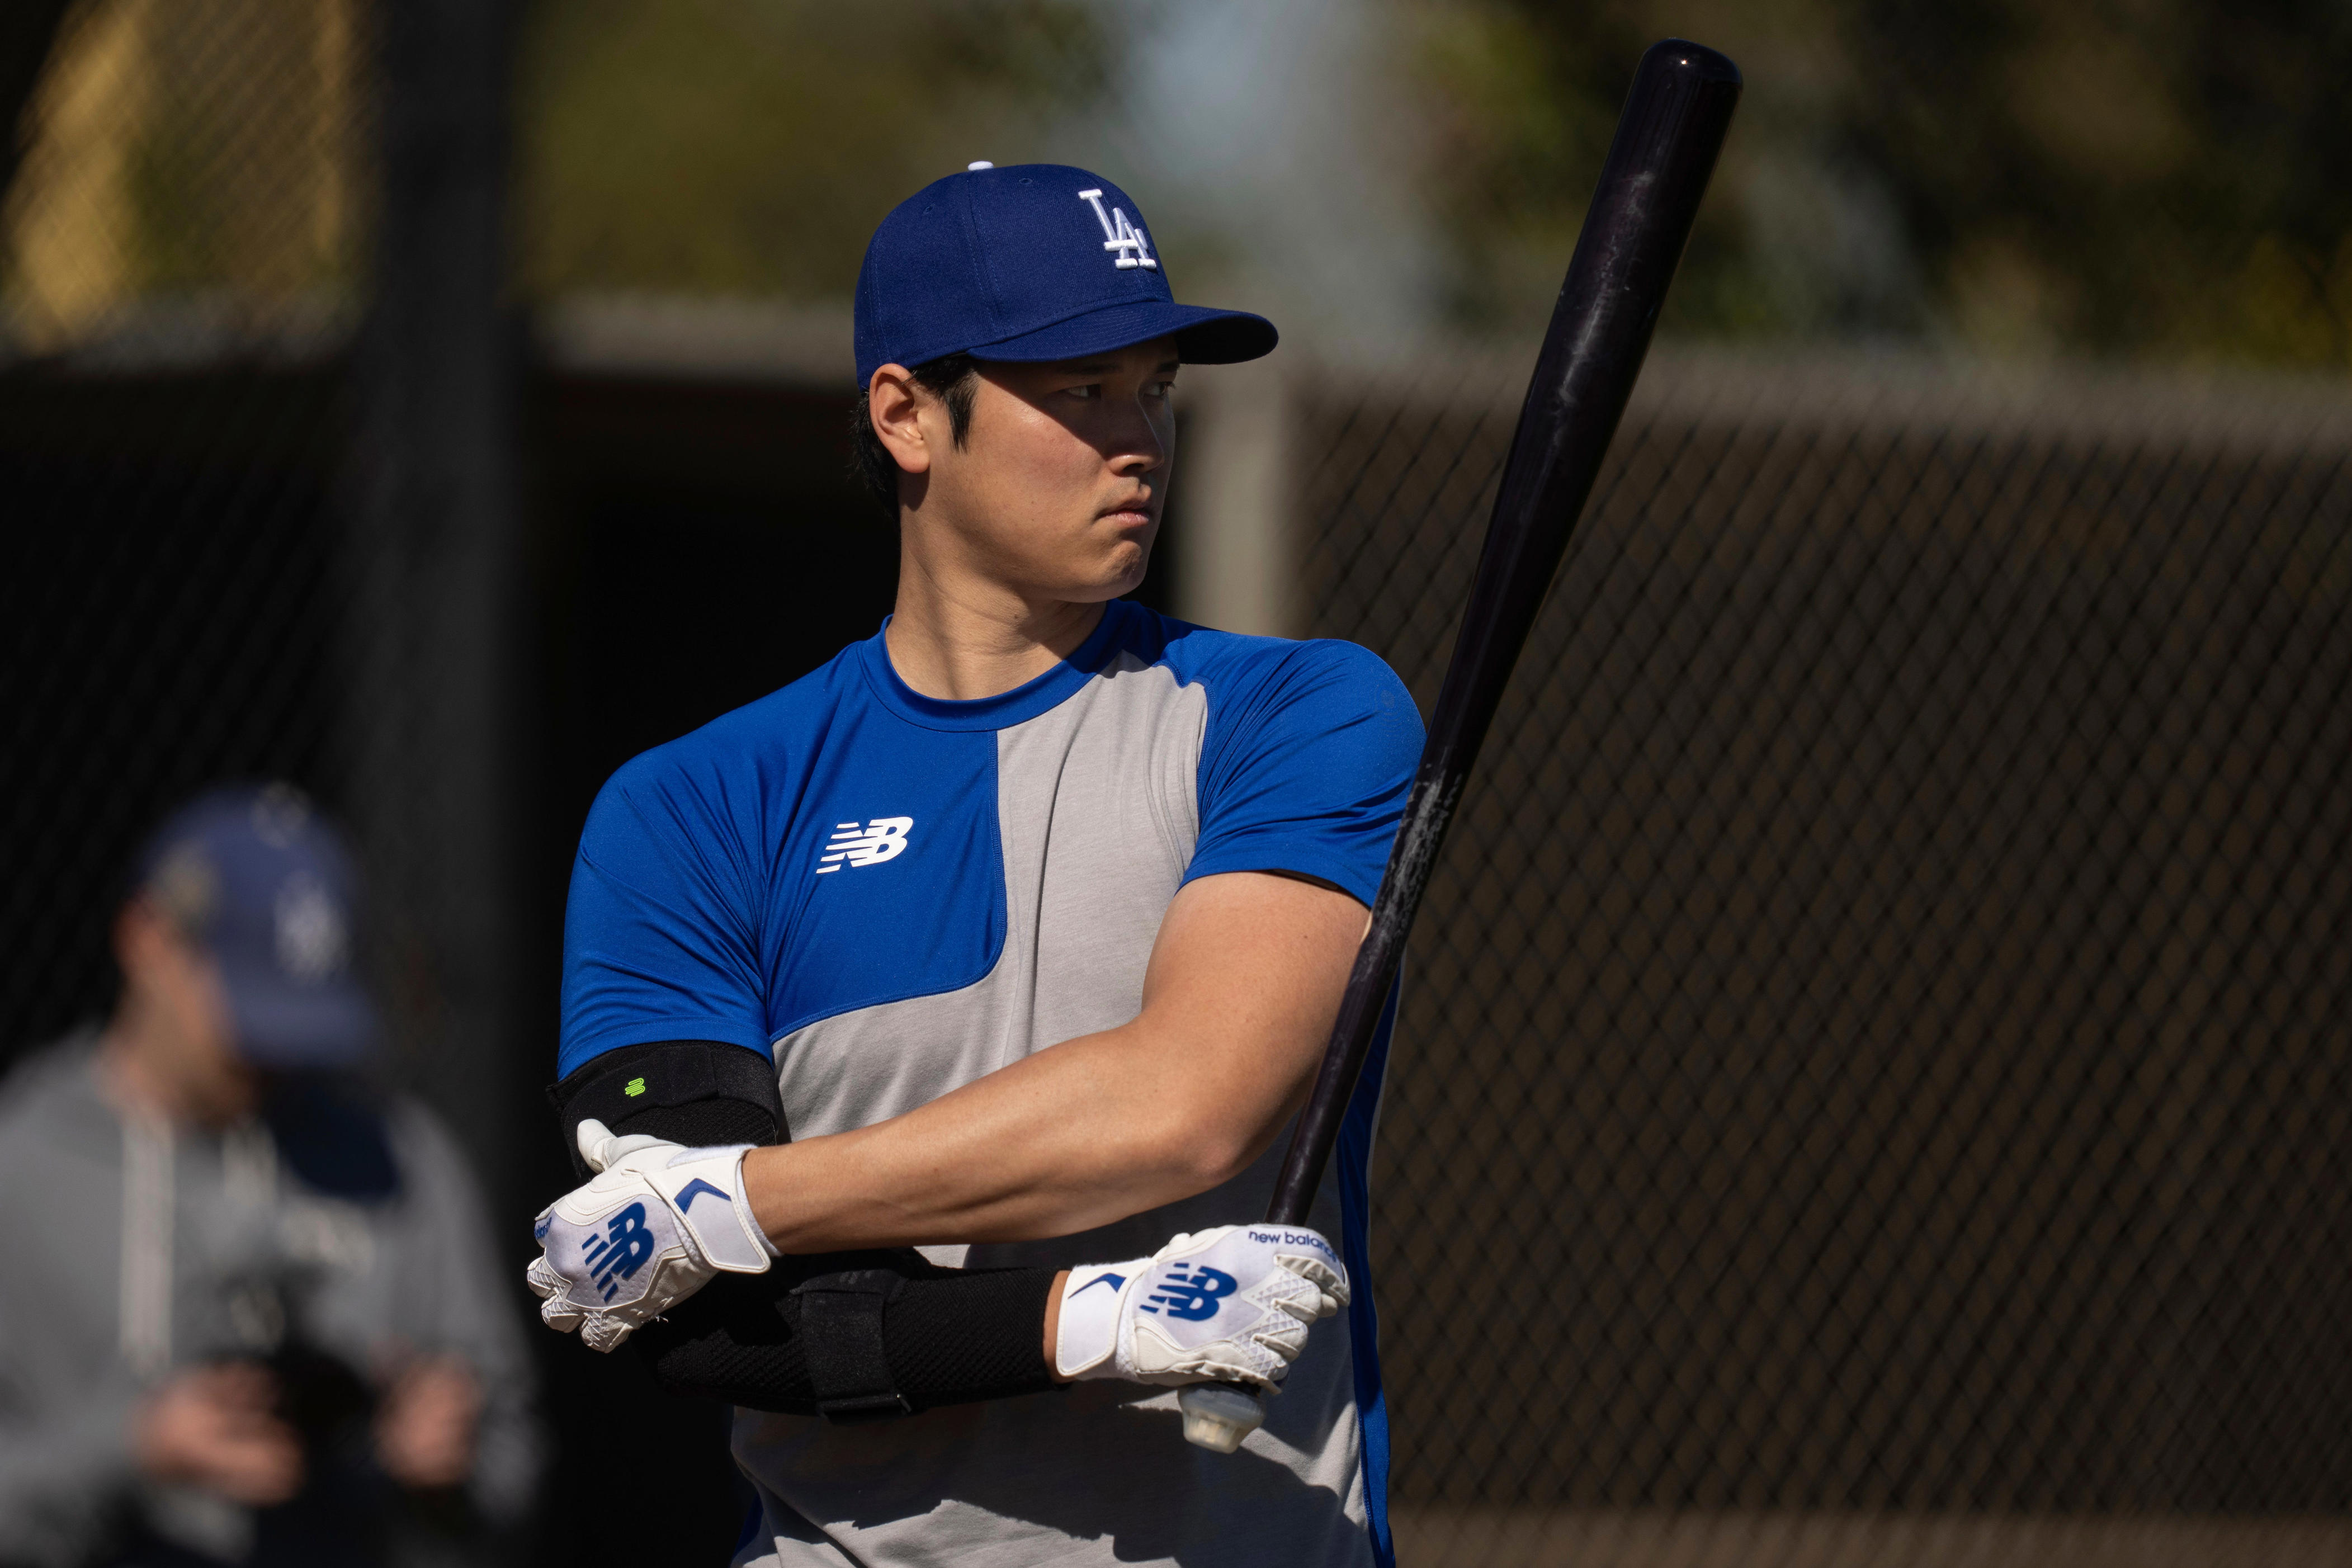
954, 379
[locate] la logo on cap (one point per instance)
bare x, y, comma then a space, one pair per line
1118, 235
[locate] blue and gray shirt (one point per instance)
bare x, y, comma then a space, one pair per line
892, 895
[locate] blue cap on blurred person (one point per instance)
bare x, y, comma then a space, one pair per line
1033, 262
255, 876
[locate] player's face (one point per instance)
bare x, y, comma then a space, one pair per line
1061, 480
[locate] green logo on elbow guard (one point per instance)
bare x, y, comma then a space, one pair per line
634, 1087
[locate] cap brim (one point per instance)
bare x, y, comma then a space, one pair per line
281, 1026
1203, 336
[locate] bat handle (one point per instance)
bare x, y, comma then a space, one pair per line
1218, 1415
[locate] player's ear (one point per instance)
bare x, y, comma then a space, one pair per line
896, 409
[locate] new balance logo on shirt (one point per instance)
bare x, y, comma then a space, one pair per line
884, 838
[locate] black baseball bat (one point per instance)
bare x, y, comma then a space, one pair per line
1667, 139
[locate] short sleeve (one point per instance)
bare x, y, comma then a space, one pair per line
1306, 768
661, 934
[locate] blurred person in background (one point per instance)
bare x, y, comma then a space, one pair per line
248, 1314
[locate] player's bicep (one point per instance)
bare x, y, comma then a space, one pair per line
1306, 771
1244, 980
660, 936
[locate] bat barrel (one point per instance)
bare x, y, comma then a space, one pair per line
1657, 169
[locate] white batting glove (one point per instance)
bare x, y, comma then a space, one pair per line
1226, 1305
652, 1228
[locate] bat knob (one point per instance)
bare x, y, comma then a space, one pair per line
1218, 1415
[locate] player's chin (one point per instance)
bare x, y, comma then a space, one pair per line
1116, 571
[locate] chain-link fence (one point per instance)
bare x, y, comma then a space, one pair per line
1878, 1034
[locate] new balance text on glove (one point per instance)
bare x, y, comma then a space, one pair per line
649, 1230
1231, 1304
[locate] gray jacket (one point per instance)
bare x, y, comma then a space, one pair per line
133, 1250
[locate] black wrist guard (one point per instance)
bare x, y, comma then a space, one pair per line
856, 1336
850, 1335
700, 1093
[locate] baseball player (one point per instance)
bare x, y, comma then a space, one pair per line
1012, 935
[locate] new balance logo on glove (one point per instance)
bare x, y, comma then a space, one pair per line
621, 1251
1193, 1297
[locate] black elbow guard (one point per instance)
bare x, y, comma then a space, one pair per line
856, 1336
700, 1093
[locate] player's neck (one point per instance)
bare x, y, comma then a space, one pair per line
958, 636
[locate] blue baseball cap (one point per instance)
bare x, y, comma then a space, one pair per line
1029, 263
257, 878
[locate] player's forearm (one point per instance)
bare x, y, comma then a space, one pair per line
1243, 984
1085, 1133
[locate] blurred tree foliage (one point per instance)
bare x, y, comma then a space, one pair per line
2132, 177
188, 148
749, 146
